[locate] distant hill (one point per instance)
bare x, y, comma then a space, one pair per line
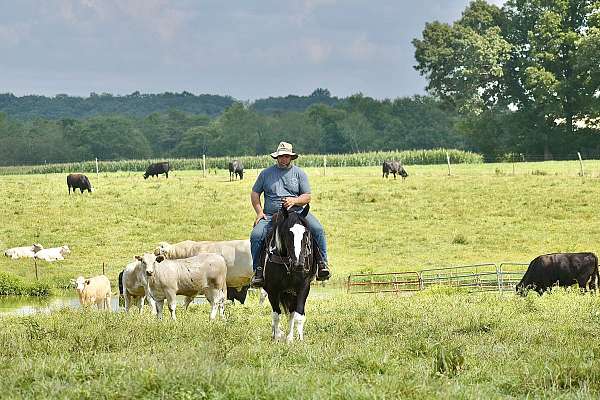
274, 105
141, 105
135, 104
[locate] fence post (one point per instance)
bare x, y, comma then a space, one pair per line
203, 165
512, 158
499, 278
580, 164
103, 269
36, 269
324, 165
448, 159
349, 276
97, 173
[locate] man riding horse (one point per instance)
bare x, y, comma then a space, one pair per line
283, 184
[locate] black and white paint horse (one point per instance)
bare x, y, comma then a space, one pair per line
289, 266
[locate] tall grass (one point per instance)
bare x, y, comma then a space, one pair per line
409, 157
437, 344
11, 285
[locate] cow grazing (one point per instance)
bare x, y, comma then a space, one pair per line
94, 290
201, 274
235, 252
393, 167
565, 269
53, 254
79, 181
133, 286
23, 252
236, 169
156, 169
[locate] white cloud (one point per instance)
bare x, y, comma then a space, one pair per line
317, 51
362, 49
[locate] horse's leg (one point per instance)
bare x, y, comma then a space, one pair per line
300, 315
263, 296
276, 333
298, 320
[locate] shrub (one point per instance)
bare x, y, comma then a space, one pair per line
11, 285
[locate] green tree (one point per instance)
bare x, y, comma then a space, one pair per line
532, 55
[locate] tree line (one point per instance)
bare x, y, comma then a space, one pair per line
354, 124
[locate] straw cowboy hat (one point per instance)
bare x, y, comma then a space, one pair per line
284, 148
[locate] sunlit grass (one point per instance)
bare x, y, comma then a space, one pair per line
372, 224
441, 343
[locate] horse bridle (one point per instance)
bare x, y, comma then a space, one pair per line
287, 261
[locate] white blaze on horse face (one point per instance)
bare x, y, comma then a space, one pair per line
298, 231
277, 240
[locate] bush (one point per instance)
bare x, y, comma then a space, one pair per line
11, 285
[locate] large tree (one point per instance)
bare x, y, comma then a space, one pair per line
538, 58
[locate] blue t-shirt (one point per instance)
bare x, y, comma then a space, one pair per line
277, 183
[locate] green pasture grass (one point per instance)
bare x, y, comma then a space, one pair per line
429, 220
440, 343
435, 344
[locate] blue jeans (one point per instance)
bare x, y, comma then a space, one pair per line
263, 226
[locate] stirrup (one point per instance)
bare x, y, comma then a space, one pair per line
258, 279
323, 272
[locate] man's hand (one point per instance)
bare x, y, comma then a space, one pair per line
289, 202
259, 216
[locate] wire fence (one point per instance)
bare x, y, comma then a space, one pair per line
474, 278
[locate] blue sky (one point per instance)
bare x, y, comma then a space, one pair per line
241, 48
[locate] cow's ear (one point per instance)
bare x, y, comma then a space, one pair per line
139, 258
160, 258
87, 281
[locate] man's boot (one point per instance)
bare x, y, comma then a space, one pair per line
323, 272
258, 280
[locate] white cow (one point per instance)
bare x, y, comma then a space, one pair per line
133, 286
95, 290
21, 252
53, 254
235, 252
202, 274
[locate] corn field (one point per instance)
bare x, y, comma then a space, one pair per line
408, 157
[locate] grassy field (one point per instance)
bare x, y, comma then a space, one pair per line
440, 343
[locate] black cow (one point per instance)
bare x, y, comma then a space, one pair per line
156, 169
79, 181
236, 168
393, 167
565, 269
239, 295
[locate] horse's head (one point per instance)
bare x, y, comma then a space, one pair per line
292, 236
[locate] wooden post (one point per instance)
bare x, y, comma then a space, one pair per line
103, 269
97, 176
203, 165
36, 269
580, 164
448, 159
324, 165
